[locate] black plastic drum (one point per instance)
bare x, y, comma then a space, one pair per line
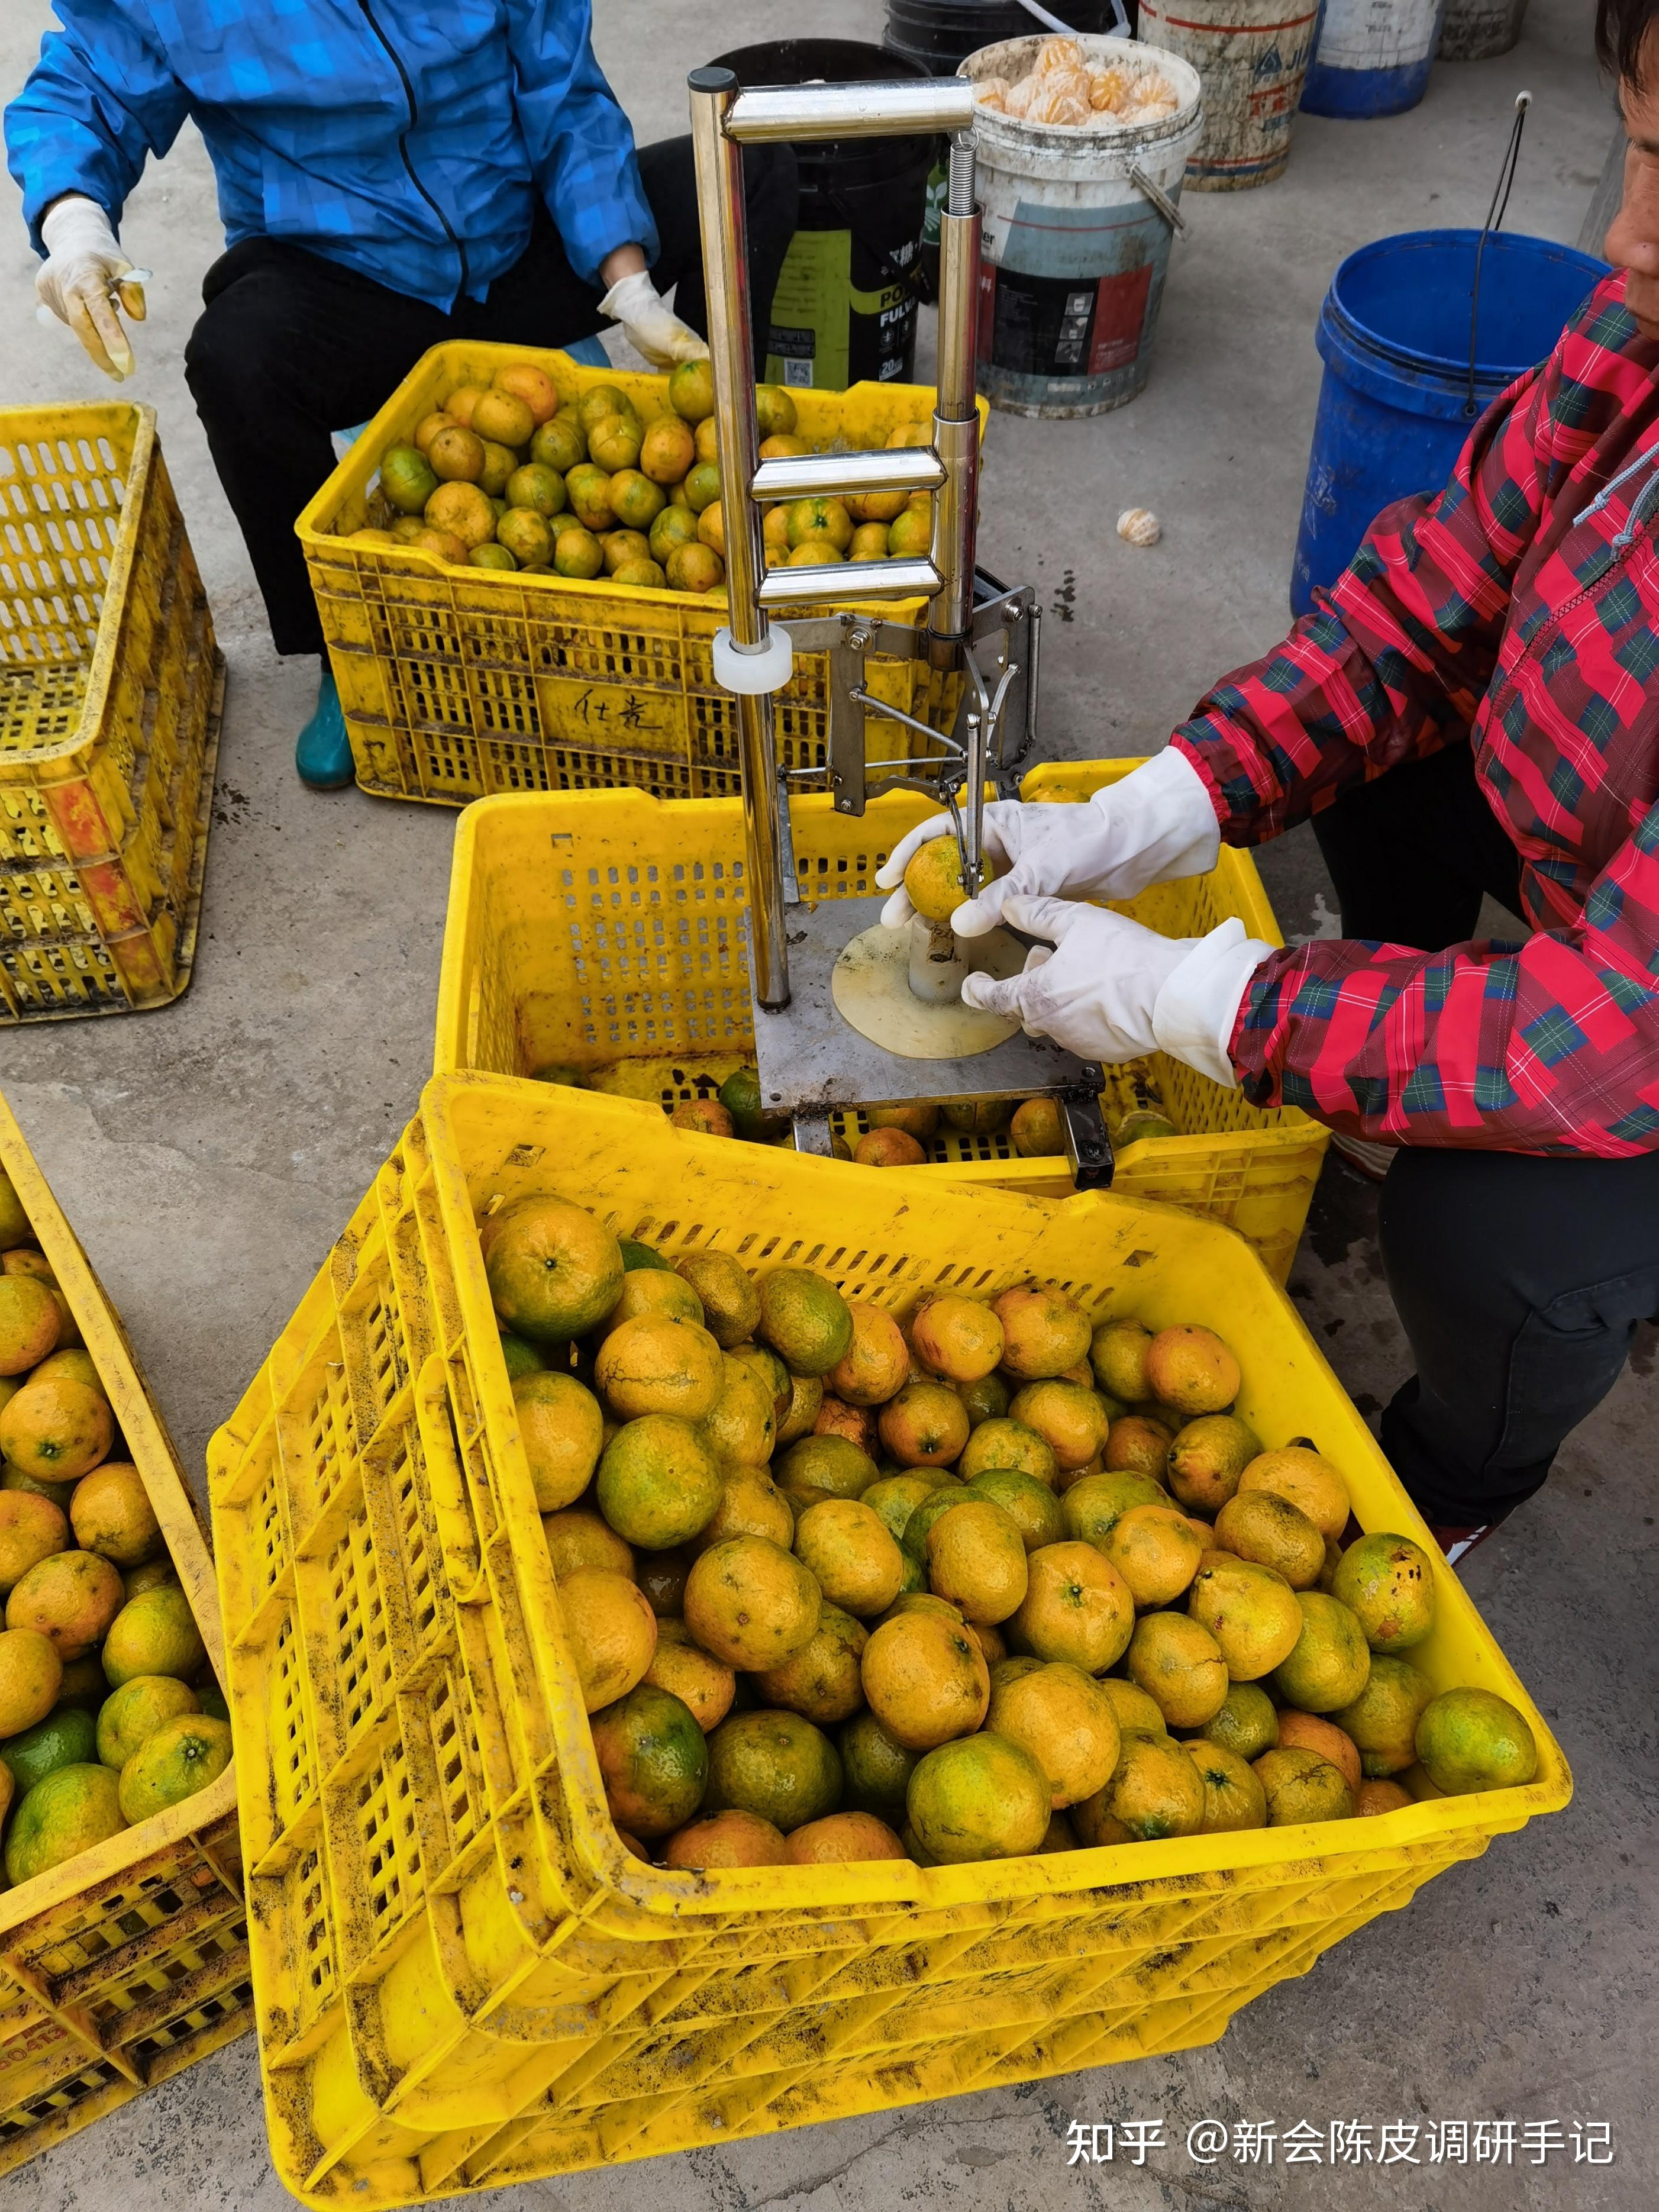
845, 307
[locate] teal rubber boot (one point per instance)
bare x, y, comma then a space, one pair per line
323, 754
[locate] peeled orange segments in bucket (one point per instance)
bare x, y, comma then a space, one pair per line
1062, 88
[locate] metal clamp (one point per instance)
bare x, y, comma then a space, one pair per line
1003, 686
1088, 1147
813, 1133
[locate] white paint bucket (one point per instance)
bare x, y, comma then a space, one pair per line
1373, 57
1251, 56
1075, 243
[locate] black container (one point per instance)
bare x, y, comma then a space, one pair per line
845, 307
940, 34
937, 34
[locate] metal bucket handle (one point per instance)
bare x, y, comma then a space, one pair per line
1495, 213
1159, 199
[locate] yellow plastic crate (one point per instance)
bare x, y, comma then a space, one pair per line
110, 688
609, 930
459, 684
462, 1978
125, 1965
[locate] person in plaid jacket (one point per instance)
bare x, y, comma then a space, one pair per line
1471, 709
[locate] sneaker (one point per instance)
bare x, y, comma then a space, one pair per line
1369, 1155
322, 754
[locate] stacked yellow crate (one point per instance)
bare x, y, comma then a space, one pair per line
463, 1979
110, 688
458, 683
128, 1963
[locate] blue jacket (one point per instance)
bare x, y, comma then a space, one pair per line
408, 141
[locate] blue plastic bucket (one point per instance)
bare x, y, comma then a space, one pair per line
1372, 58
1393, 334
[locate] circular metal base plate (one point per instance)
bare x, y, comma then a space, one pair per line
870, 984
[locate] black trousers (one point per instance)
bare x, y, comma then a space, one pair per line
291, 347
1520, 1280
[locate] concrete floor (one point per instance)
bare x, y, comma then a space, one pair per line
208, 1155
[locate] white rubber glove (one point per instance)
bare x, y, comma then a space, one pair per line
1113, 991
1157, 822
649, 324
82, 269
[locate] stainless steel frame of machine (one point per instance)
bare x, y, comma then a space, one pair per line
847, 1013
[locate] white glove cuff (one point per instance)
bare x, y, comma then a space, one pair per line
630, 297
1161, 817
75, 225
1194, 1012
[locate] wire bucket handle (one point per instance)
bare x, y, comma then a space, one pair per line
1495, 213
1159, 199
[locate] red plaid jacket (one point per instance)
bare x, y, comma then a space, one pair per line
1518, 612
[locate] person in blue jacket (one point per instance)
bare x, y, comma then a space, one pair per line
390, 174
